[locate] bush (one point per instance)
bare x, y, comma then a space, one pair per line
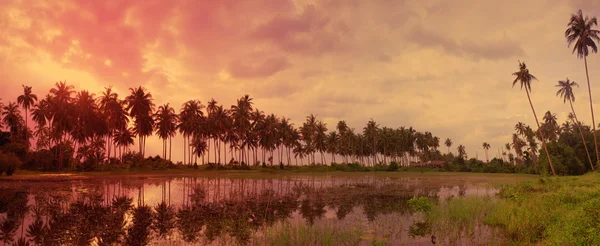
420, 204
393, 167
39, 160
9, 163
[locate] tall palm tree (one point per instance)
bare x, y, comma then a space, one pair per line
166, 125
448, 143
123, 138
524, 78
565, 91
580, 32
370, 132
486, 147
190, 119
140, 107
27, 100
321, 139
462, 151
240, 114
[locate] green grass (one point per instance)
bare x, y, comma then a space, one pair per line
301, 234
550, 211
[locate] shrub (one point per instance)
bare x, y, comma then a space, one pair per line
9, 163
393, 167
420, 204
39, 160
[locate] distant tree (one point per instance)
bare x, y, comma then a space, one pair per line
565, 91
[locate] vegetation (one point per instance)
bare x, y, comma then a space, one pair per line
550, 211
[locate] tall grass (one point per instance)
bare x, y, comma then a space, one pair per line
301, 234
552, 211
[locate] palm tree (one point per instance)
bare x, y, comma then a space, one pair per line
190, 118
123, 138
566, 93
448, 143
240, 114
370, 132
580, 32
462, 152
524, 78
26, 101
140, 107
12, 118
166, 125
486, 147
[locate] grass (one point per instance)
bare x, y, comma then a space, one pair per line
550, 211
301, 234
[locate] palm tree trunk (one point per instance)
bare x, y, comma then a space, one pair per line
541, 135
184, 150
591, 108
581, 134
208, 152
170, 146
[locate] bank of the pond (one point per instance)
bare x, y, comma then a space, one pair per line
550, 211
492, 178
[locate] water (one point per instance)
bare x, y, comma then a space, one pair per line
219, 209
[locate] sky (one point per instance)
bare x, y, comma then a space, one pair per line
438, 66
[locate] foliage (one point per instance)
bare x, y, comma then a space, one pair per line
420, 204
9, 163
552, 211
564, 159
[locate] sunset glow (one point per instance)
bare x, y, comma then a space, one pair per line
439, 66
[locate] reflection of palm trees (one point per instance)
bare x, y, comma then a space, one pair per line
8, 229
139, 232
164, 219
37, 231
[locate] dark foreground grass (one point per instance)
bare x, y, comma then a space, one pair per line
549, 211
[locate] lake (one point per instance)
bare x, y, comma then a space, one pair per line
232, 209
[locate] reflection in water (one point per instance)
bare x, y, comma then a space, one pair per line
203, 210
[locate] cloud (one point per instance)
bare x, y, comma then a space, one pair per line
482, 49
310, 33
266, 68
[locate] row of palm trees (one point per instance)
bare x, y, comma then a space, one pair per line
104, 127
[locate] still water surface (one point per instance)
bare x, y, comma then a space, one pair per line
219, 209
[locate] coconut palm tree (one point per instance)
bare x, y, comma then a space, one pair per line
12, 118
321, 139
486, 147
462, 152
166, 125
448, 143
524, 78
190, 117
565, 91
140, 107
370, 132
240, 114
123, 138
27, 100
581, 34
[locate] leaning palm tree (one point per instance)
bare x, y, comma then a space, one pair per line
566, 93
486, 147
448, 144
524, 78
580, 32
26, 101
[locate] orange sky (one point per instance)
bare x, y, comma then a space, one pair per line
439, 66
